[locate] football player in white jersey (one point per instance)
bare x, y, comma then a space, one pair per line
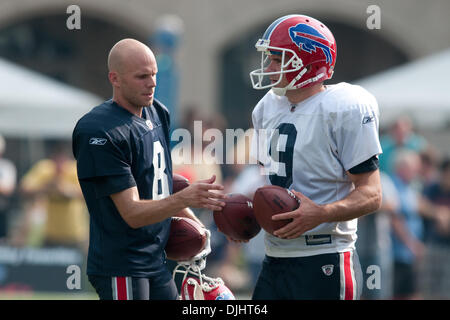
321, 142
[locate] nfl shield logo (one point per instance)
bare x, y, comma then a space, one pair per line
149, 124
328, 269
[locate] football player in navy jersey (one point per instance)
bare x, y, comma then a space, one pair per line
323, 144
125, 172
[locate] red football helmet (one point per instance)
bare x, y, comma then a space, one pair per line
307, 49
201, 287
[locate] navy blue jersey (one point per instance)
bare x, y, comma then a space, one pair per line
116, 150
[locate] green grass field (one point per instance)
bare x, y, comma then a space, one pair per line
47, 296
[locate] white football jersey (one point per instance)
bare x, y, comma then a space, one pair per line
309, 147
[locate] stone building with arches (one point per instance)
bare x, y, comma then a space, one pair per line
216, 51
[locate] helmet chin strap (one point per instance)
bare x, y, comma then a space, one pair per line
290, 86
279, 91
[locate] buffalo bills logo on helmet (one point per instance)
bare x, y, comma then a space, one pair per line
306, 38
225, 296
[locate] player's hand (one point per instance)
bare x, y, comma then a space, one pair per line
230, 239
235, 240
200, 195
306, 217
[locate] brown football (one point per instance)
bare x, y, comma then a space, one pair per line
270, 200
237, 219
179, 182
186, 239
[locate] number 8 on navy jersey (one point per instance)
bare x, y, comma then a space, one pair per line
160, 181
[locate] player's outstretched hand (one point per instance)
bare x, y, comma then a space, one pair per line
200, 194
306, 217
230, 239
235, 240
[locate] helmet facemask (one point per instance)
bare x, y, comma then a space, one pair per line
204, 287
290, 62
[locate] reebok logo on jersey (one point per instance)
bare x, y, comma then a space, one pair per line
368, 119
97, 141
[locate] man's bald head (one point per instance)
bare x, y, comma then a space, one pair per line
132, 73
126, 53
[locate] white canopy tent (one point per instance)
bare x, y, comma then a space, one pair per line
33, 105
420, 89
